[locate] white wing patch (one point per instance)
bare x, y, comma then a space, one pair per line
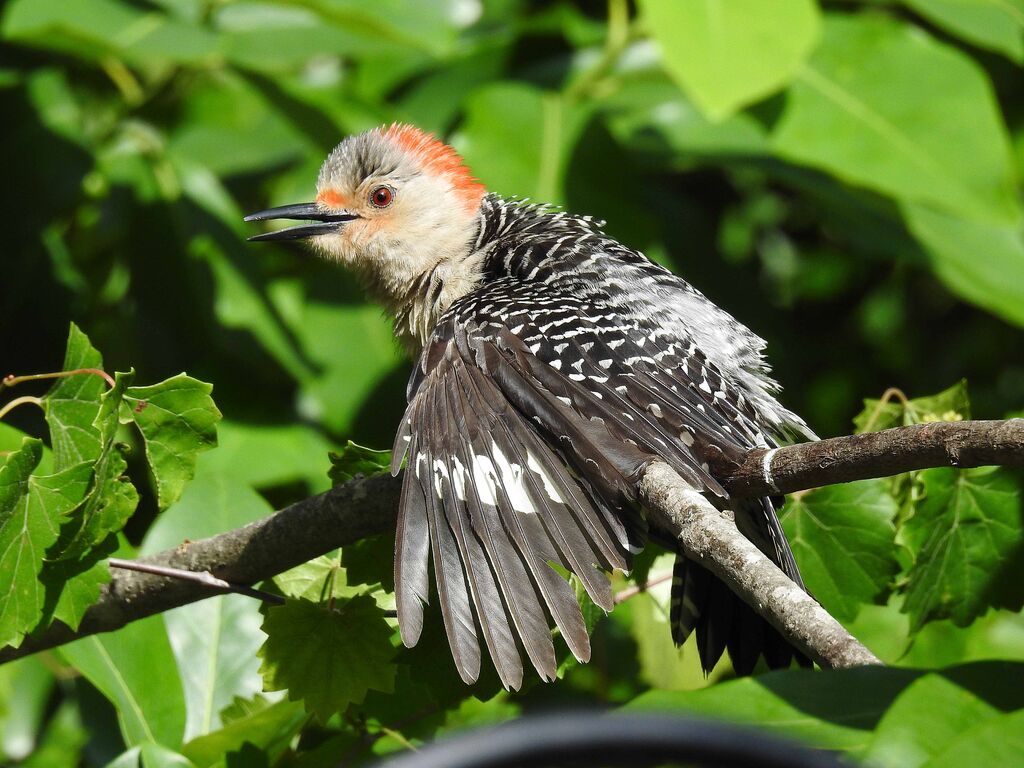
549, 486
486, 477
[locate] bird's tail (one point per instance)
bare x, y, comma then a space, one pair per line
702, 602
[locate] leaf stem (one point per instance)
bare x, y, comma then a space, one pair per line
892, 393
10, 380
620, 33
126, 82
200, 577
19, 401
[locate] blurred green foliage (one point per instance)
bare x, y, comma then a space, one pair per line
844, 177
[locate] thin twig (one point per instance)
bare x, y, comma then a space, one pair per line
624, 595
205, 578
24, 400
892, 393
877, 454
10, 379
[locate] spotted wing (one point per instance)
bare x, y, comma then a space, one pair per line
530, 419
491, 504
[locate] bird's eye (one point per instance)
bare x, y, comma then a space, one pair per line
381, 197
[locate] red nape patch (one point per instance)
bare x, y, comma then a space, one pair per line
437, 157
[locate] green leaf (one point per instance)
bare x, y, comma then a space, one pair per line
354, 459
997, 741
72, 585
31, 509
915, 119
323, 579
228, 127
653, 116
93, 29
833, 709
135, 669
924, 718
73, 403
951, 404
177, 419
997, 25
327, 656
268, 455
63, 741
215, 643
963, 536
982, 263
110, 502
726, 55
518, 139
268, 727
158, 756
25, 688
239, 304
842, 537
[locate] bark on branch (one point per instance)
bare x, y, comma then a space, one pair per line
365, 507
709, 536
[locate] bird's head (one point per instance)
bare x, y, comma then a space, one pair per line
392, 203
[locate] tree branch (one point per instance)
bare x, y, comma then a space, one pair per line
365, 507
877, 454
709, 536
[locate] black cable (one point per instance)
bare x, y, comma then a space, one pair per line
619, 740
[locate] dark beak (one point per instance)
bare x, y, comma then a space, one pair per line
328, 221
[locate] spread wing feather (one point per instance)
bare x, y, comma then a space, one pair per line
452, 589
412, 553
490, 610
520, 597
524, 448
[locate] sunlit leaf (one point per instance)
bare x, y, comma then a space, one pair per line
925, 717
136, 670
996, 741
884, 106
25, 687
269, 455
835, 709
31, 508
215, 640
726, 55
964, 536
93, 29
951, 404
177, 419
997, 25
517, 139
982, 263
842, 537
73, 403
268, 727
354, 459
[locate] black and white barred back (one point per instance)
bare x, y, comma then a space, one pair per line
536, 404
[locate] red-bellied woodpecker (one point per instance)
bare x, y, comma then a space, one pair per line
554, 364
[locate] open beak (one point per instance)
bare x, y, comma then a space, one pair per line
328, 221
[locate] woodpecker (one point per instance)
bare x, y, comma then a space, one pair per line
553, 365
